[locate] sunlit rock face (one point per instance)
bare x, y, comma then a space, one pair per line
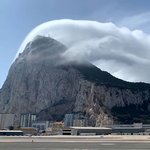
42, 81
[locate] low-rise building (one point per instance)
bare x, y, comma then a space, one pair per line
119, 129
49, 130
58, 125
136, 128
11, 133
127, 130
85, 131
40, 125
29, 130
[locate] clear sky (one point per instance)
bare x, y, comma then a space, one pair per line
19, 17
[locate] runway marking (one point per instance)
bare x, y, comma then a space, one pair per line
108, 144
80, 149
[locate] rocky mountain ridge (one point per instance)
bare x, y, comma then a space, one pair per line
41, 81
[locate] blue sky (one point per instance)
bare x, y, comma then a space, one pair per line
19, 17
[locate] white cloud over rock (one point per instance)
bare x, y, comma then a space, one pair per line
121, 52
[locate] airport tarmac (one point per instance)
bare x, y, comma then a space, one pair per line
74, 146
106, 138
75, 143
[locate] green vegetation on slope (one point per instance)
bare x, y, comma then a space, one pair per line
132, 113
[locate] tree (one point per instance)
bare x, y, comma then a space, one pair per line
18, 127
43, 131
11, 127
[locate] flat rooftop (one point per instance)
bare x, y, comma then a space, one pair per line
10, 131
129, 128
93, 128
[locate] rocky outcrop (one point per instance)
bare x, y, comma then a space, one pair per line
41, 81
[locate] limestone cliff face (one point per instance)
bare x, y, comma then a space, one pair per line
41, 81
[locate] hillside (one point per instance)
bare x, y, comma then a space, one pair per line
41, 81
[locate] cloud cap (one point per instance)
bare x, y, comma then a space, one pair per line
121, 52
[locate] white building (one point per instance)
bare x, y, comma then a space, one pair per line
40, 125
6, 120
26, 120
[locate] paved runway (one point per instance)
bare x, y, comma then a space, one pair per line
76, 143
73, 139
75, 146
